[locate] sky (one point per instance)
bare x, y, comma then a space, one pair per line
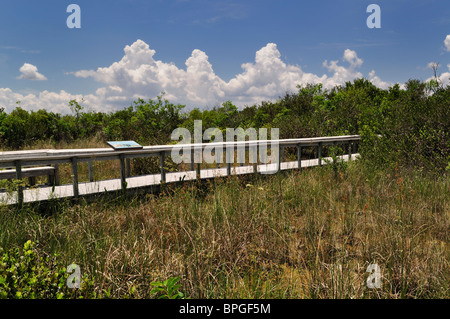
201, 53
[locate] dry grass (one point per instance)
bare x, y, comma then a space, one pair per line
293, 235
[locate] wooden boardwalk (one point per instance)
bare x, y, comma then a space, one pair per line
97, 187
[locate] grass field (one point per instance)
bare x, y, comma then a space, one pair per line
308, 234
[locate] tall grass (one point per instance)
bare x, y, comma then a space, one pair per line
308, 234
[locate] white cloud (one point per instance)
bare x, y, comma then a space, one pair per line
51, 101
30, 72
139, 75
267, 78
377, 81
342, 74
447, 43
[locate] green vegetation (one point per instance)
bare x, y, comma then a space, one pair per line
414, 122
308, 234
24, 275
167, 289
298, 234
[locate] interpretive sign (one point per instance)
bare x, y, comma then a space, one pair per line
124, 145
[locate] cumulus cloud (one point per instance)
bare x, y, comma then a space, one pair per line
377, 81
139, 75
266, 78
51, 101
342, 74
30, 72
447, 43
445, 77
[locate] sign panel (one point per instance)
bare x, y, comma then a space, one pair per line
124, 145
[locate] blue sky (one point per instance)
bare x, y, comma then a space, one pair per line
43, 63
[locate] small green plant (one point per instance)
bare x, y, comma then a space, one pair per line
26, 275
167, 289
336, 163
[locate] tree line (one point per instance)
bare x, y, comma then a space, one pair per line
414, 121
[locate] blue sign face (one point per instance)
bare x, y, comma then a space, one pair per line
123, 145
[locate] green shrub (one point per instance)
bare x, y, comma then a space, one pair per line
167, 289
24, 274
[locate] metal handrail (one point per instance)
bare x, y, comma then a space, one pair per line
8, 159
20, 159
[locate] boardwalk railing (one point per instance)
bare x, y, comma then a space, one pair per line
19, 160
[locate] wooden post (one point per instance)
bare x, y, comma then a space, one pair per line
255, 158
123, 174
335, 149
279, 159
228, 160
299, 156
192, 160
56, 179
75, 176
198, 176
50, 180
91, 171
350, 151
283, 155
319, 155
245, 156
128, 164
19, 178
218, 155
163, 170
198, 156
255, 168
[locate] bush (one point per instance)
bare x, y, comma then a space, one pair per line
24, 274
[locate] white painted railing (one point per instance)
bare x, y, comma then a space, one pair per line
20, 159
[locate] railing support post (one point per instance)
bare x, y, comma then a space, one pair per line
254, 152
319, 155
56, 179
123, 180
19, 187
91, 171
218, 154
198, 172
299, 156
198, 160
128, 164
163, 170
75, 176
228, 160
279, 159
336, 154
192, 160
350, 151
